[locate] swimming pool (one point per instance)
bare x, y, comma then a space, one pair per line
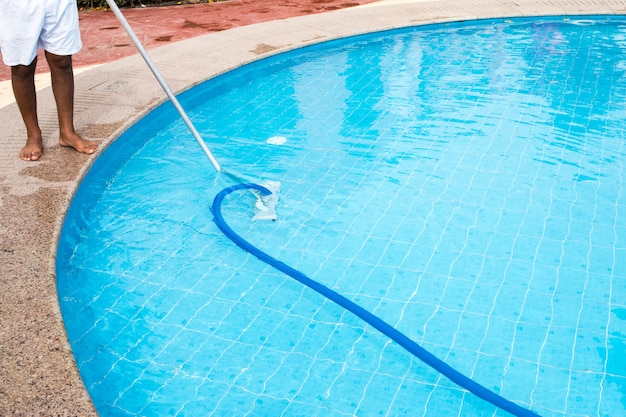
461, 181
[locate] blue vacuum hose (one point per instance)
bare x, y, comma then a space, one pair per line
382, 326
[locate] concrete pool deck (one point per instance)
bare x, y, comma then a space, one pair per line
38, 375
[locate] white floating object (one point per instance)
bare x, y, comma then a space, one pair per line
277, 140
583, 22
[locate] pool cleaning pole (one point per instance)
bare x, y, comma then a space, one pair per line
164, 85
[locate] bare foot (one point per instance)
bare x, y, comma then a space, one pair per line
33, 149
79, 144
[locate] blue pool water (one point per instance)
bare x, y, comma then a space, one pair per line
463, 182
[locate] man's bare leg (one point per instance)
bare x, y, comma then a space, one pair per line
63, 89
23, 81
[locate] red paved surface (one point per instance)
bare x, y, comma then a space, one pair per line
104, 39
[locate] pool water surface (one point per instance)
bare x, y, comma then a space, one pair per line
463, 182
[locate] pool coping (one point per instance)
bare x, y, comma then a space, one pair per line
38, 375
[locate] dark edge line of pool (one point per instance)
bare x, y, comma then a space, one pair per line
375, 321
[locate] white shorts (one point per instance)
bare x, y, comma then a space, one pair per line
27, 25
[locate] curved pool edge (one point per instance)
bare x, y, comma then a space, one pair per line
39, 375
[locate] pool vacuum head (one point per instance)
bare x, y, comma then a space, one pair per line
265, 206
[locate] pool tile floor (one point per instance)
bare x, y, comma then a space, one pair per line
38, 374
